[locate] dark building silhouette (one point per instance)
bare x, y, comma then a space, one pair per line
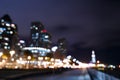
62, 45
8, 33
45, 40
39, 36
36, 29
62, 49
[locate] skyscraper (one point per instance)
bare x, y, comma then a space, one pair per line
62, 45
40, 37
61, 49
36, 28
45, 40
8, 33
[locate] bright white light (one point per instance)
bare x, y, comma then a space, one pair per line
6, 39
20, 59
37, 48
12, 53
2, 20
111, 66
93, 52
12, 59
13, 25
69, 57
29, 57
3, 60
74, 60
91, 65
36, 28
84, 65
52, 59
1, 53
40, 58
11, 32
7, 24
18, 44
54, 48
101, 65
6, 43
22, 41
5, 47
46, 36
78, 62
46, 58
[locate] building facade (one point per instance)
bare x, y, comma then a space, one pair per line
8, 33
39, 36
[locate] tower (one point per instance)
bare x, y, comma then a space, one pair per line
8, 33
93, 57
36, 29
40, 37
45, 40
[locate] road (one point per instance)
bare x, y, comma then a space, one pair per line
78, 74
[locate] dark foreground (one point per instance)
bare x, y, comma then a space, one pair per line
113, 72
54, 74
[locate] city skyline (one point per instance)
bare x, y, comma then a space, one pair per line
87, 25
40, 41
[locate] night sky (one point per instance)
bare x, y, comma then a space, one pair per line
86, 24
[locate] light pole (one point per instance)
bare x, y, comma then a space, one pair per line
12, 52
29, 58
1, 53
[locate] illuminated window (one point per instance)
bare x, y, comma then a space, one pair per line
11, 32
2, 30
2, 20
6, 43
36, 28
7, 24
46, 36
13, 25
5, 38
0, 37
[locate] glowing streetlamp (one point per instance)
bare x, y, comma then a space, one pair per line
54, 48
1, 53
12, 52
29, 58
40, 58
20, 59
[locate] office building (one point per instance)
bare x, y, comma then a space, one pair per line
8, 33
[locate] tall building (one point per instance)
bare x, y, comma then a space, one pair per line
61, 49
39, 36
62, 45
36, 28
93, 57
8, 33
45, 40
40, 40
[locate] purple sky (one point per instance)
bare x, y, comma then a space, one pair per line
86, 24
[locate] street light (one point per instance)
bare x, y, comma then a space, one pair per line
29, 58
1, 53
12, 52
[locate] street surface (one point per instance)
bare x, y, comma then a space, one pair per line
78, 74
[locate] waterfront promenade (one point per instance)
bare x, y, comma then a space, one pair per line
54, 74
